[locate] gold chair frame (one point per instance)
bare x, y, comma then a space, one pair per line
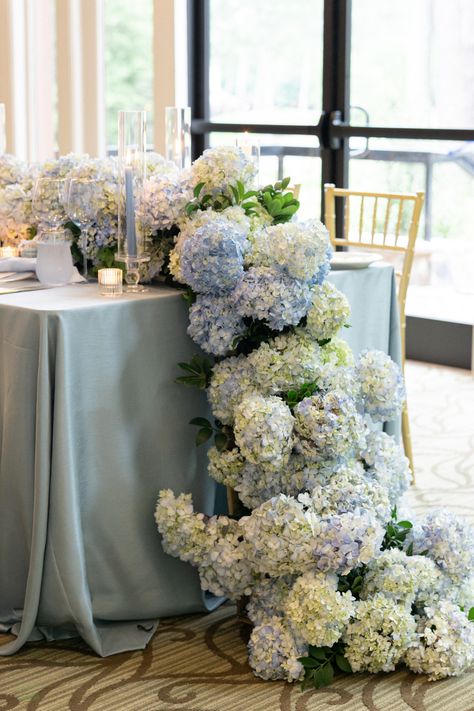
381, 241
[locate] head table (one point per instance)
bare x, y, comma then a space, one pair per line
92, 426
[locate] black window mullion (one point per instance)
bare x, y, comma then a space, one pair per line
198, 69
336, 95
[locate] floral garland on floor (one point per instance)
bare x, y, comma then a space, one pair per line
335, 582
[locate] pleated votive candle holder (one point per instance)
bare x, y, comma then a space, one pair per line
9, 252
110, 282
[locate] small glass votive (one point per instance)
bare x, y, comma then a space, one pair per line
110, 282
9, 252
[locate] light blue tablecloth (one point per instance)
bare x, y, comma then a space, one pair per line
92, 426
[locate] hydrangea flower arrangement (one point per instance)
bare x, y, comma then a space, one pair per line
334, 582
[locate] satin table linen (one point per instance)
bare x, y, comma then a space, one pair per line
92, 426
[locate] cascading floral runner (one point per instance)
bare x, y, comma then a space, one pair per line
334, 581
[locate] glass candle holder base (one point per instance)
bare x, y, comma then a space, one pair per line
132, 279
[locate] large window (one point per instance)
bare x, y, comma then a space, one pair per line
364, 94
128, 61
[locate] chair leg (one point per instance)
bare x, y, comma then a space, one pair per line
407, 440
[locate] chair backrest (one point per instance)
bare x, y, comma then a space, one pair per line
295, 189
380, 221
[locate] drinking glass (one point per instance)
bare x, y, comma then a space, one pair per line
47, 201
81, 208
54, 265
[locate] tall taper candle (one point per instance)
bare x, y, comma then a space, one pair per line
130, 213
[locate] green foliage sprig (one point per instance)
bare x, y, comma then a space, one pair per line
352, 581
322, 663
279, 202
293, 397
240, 196
198, 372
223, 435
396, 534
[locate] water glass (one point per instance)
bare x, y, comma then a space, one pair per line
47, 203
54, 265
81, 207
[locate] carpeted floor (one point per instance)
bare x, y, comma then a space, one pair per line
198, 663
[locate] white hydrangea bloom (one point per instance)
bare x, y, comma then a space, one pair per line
328, 426
387, 463
316, 610
337, 353
274, 651
381, 385
184, 533
225, 467
225, 569
232, 381
329, 311
220, 167
347, 489
448, 540
445, 645
162, 203
256, 483
407, 579
263, 429
280, 535
286, 362
12, 170
268, 598
380, 633
299, 248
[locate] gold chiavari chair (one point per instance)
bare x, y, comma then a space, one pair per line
386, 222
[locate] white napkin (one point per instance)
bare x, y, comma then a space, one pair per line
17, 264
24, 266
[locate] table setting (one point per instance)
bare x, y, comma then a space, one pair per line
189, 339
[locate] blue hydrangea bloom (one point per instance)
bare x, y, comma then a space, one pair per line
270, 295
212, 259
214, 323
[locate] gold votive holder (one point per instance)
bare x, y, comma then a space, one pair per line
6, 252
110, 282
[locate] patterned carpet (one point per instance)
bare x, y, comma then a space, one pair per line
198, 663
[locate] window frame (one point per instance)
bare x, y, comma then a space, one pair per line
333, 130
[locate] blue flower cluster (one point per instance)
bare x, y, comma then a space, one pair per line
213, 260
214, 324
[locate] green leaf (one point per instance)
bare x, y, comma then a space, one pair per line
198, 189
343, 664
309, 663
405, 524
200, 422
202, 436
235, 193
409, 550
324, 676
470, 614
274, 206
324, 341
317, 652
284, 183
221, 441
